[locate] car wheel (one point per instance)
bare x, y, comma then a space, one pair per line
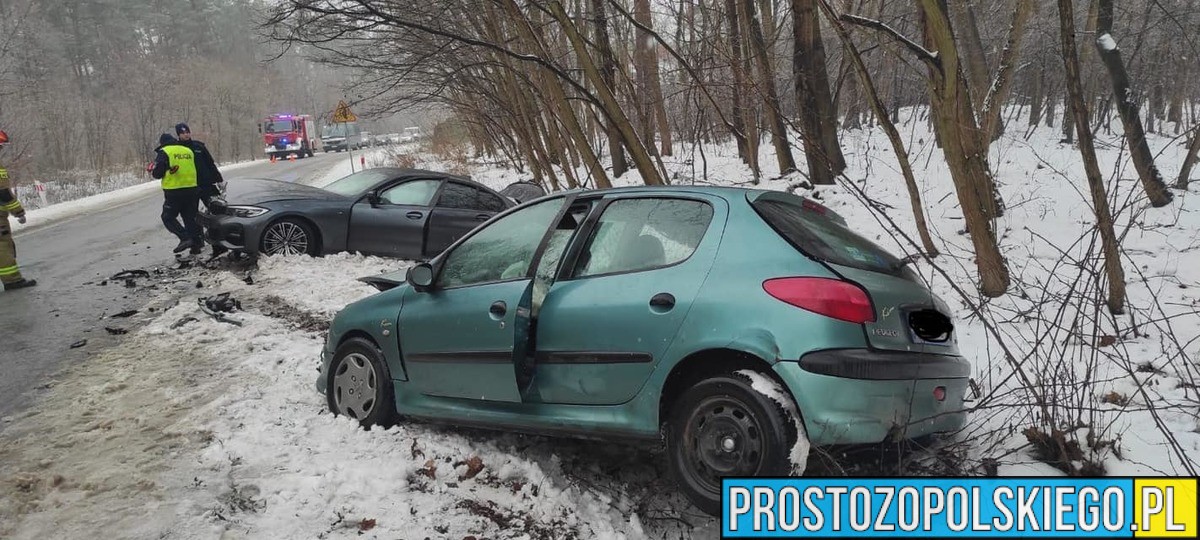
723, 427
289, 237
360, 385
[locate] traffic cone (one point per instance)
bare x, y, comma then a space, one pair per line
291, 157
272, 158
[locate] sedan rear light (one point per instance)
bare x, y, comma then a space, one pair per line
829, 297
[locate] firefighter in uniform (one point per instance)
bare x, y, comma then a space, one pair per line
175, 165
10, 274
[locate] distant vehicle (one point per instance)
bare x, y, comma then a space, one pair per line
392, 212
342, 137
739, 325
367, 139
394, 138
412, 134
286, 134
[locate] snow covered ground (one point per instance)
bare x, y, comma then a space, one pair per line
202, 429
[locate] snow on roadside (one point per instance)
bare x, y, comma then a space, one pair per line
57, 212
352, 163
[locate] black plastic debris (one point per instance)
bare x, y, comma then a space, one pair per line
124, 314
183, 321
128, 274
249, 279
79, 344
115, 331
217, 306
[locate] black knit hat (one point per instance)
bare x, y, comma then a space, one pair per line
181, 128
165, 139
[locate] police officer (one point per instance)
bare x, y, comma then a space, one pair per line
208, 176
175, 164
10, 274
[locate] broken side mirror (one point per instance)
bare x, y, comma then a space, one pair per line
420, 277
374, 199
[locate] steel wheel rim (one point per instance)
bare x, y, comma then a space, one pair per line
722, 438
286, 238
355, 386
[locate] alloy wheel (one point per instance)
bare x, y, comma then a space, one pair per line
286, 238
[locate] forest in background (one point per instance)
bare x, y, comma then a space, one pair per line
86, 86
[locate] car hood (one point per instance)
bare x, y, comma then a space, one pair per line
387, 281
264, 190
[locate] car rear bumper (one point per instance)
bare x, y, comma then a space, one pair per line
861, 410
872, 364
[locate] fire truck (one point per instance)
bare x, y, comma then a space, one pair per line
286, 134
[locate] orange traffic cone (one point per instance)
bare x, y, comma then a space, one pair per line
272, 158
291, 157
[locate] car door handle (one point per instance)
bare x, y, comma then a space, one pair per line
414, 215
499, 308
482, 217
662, 301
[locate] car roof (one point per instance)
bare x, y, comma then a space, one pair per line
720, 191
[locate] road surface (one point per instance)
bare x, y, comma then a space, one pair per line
69, 259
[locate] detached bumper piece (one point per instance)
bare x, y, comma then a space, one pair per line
867, 364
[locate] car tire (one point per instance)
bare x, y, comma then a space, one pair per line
360, 385
723, 427
289, 236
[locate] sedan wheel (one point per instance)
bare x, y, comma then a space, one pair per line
288, 237
723, 427
360, 385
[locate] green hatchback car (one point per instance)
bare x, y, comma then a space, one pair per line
740, 325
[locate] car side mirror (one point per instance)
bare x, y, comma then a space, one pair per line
421, 277
374, 199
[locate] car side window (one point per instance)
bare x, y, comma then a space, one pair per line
414, 192
633, 235
490, 203
503, 250
457, 196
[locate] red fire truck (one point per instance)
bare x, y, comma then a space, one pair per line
286, 134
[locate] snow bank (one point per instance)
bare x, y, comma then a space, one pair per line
57, 212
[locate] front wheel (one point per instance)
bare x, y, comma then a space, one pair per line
360, 385
724, 427
289, 237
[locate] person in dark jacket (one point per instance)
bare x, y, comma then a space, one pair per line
209, 179
175, 165
208, 175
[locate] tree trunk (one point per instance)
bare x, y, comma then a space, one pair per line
608, 72
964, 147
739, 81
641, 156
1143, 158
997, 93
1037, 98
1185, 172
976, 65
1104, 220
818, 119
648, 76
880, 110
775, 121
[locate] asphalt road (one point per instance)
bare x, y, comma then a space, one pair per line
69, 258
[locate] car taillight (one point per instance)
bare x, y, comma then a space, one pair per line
829, 297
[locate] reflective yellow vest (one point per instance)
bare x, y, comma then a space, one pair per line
185, 176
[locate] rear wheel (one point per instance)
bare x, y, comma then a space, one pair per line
723, 427
360, 385
289, 237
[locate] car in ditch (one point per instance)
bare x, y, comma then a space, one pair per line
393, 212
741, 325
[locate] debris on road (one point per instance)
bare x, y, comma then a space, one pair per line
124, 314
115, 331
183, 321
79, 344
217, 306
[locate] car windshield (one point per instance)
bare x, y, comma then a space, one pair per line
277, 126
808, 226
336, 130
357, 183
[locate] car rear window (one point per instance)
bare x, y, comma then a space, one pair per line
810, 228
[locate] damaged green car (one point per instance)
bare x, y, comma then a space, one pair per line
740, 325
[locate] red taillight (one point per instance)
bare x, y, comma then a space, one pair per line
830, 297
939, 393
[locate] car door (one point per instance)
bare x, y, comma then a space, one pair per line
621, 297
462, 337
392, 221
459, 209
